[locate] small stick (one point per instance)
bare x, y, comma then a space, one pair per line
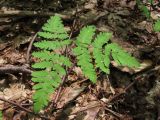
17, 13
29, 48
14, 69
23, 108
120, 116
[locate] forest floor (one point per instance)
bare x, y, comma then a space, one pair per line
125, 94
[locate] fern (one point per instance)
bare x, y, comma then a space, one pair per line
102, 56
102, 51
50, 66
157, 26
0, 115
98, 54
122, 57
143, 8
82, 52
151, 2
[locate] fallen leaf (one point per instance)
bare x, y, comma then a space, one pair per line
68, 95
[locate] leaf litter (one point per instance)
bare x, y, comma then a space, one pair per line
130, 30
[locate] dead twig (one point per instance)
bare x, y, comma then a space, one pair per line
23, 108
18, 13
14, 69
29, 48
118, 115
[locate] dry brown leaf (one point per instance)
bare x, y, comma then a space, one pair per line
92, 113
2, 61
144, 65
131, 4
68, 95
89, 108
107, 3
91, 4
1, 102
15, 92
78, 71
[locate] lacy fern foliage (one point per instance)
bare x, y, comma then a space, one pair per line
1, 115
92, 53
157, 26
101, 54
50, 66
98, 52
143, 8
82, 52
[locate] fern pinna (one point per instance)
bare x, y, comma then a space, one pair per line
50, 67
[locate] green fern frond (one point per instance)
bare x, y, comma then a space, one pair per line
107, 52
84, 61
43, 55
42, 73
156, 26
46, 79
54, 29
98, 54
82, 52
122, 57
54, 25
0, 115
101, 39
51, 45
50, 67
48, 35
85, 36
143, 8
64, 61
42, 65
41, 98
